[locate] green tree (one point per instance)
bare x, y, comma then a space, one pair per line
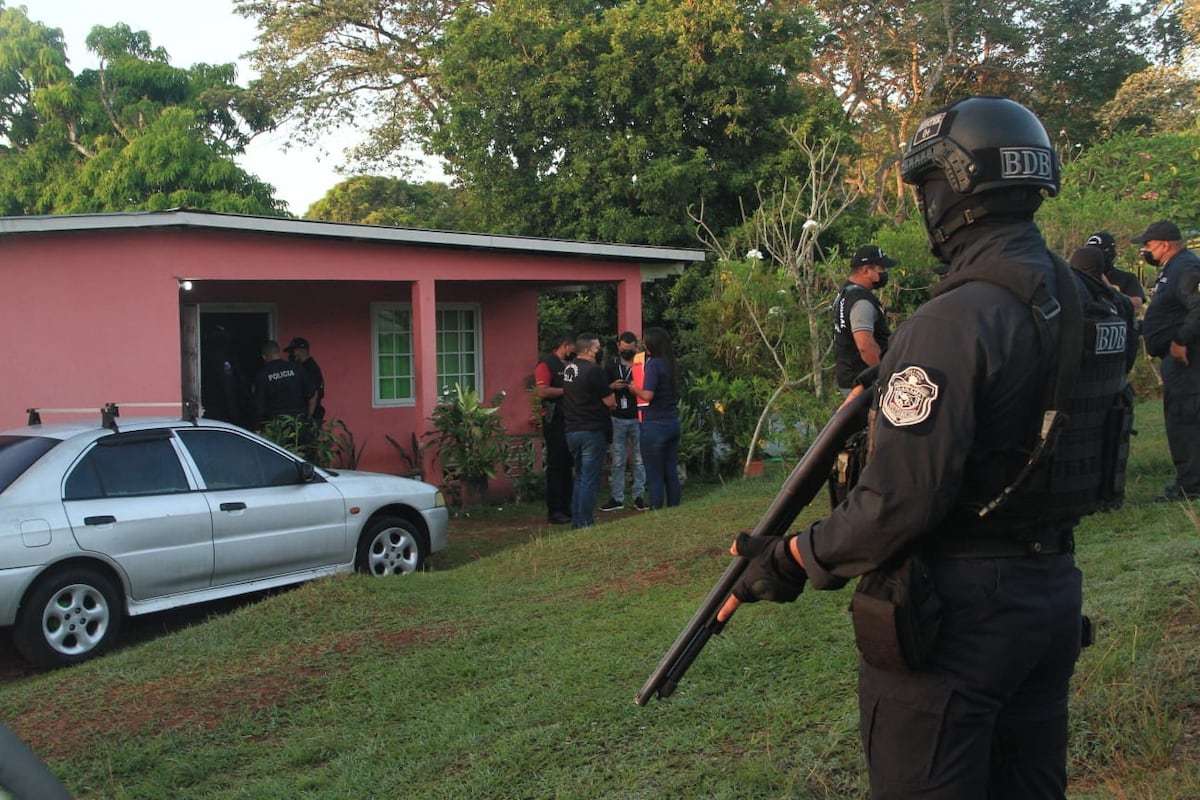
607, 121
136, 133
563, 118
889, 64
367, 63
378, 200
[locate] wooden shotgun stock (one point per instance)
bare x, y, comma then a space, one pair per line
801, 486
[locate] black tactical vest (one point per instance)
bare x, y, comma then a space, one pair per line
849, 363
1080, 468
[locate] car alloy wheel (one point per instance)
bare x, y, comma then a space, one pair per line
392, 546
68, 617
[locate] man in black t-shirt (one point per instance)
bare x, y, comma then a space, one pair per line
587, 403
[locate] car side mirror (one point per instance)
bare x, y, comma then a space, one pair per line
307, 471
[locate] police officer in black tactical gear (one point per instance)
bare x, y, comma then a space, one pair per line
968, 698
1171, 329
1125, 282
281, 388
860, 327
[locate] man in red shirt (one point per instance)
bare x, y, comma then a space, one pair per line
556, 458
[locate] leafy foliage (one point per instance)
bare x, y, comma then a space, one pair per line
375, 200
469, 437
1123, 184
136, 133
606, 122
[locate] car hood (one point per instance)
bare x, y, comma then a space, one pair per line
356, 482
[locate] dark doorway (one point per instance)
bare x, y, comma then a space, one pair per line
230, 355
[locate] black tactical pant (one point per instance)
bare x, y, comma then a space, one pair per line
988, 716
560, 477
1181, 413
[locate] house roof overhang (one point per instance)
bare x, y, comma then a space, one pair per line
655, 262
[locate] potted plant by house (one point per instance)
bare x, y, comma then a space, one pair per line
469, 438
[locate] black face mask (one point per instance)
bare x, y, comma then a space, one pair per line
882, 281
626, 355
1149, 259
600, 355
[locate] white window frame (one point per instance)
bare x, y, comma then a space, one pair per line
378, 308
474, 310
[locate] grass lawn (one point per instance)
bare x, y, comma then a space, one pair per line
509, 670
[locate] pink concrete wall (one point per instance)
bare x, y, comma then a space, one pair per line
81, 327
94, 317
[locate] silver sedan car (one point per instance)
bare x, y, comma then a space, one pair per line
97, 524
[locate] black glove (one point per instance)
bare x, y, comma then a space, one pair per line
773, 574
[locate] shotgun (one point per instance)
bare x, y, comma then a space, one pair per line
801, 486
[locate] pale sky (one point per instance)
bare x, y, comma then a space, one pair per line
206, 30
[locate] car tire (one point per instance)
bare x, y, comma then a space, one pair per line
70, 615
391, 546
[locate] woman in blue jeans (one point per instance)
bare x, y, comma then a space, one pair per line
660, 419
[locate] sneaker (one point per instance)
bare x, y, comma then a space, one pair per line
1172, 493
613, 505
639, 503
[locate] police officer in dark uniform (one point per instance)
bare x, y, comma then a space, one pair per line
860, 328
961, 394
299, 351
1125, 282
281, 388
1171, 329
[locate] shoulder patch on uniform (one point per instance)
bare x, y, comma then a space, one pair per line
908, 399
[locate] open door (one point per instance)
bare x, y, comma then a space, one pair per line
230, 354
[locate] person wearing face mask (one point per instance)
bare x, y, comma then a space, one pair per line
626, 432
1171, 328
860, 328
969, 618
1125, 282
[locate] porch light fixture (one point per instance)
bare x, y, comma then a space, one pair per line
184, 283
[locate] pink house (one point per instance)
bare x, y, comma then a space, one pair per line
123, 308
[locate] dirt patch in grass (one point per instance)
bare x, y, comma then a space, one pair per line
673, 573
200, 701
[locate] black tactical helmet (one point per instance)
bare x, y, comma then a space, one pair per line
980, 144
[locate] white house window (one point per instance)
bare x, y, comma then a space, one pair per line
391, 328
458, 346
459, 351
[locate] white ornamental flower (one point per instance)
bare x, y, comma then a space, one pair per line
810, 224
755, 254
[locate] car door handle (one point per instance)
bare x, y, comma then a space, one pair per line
103, 519
239, 506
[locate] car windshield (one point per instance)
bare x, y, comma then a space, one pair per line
18, 453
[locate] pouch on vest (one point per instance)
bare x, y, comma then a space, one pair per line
896, 615
847, 466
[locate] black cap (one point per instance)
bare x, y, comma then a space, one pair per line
1104, 242
871, 254
1161, 231
299, 343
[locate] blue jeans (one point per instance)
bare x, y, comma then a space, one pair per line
626, 430
660, 454
587, 450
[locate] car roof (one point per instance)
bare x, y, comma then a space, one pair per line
70, 429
